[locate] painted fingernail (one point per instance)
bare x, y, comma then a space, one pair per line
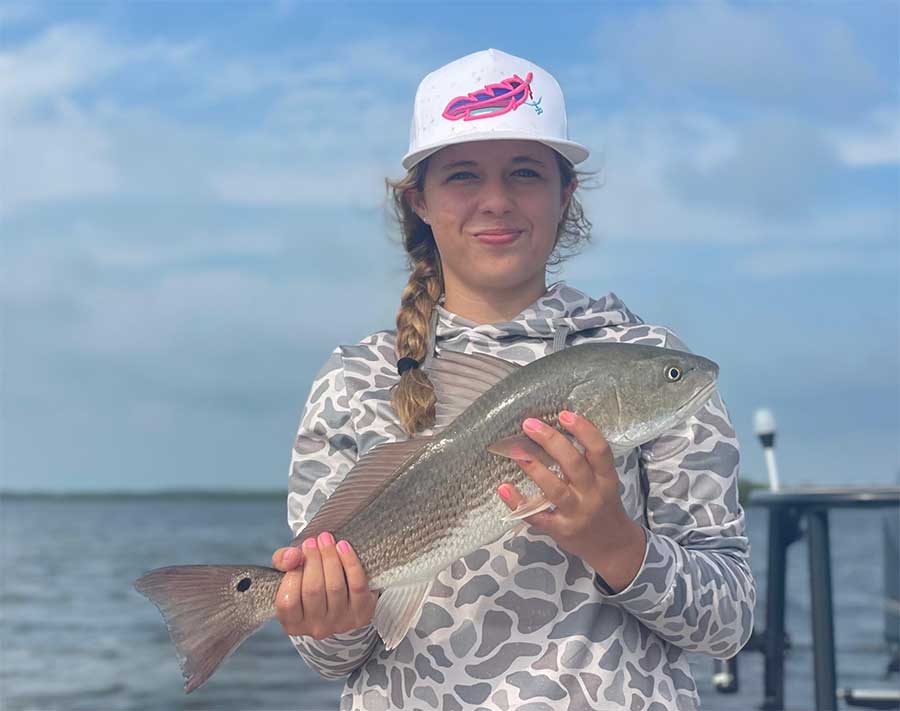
505, 492
343, 547
326, 539
310, 543
533, 425
566, 417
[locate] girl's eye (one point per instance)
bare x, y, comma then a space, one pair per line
464, 174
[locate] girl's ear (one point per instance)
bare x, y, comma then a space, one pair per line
416, 200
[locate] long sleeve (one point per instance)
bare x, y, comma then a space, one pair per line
324, 451
695, 587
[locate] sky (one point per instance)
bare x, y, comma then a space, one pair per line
192, 215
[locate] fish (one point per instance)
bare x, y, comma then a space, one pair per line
411, 508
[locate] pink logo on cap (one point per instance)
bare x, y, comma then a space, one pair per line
492, 100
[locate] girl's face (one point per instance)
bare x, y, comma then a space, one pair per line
494, 208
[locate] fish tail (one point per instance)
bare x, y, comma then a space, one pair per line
209, 610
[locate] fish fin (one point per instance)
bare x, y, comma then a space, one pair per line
505, 447
371, 473
397, 610
207, 611
459, 379
534, 505
517, 531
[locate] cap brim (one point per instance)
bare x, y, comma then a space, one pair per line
574, 152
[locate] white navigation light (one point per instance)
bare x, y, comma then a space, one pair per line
764, 427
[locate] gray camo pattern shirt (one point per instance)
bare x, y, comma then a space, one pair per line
520, 623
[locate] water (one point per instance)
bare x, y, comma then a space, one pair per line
75, 635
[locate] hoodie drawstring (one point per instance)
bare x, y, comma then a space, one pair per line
559, 337
432, 336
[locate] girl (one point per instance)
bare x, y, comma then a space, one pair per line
643, 556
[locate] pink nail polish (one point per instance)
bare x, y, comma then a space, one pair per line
343, 547
310, 543
566, 417
326, 539
532, 425
504, 492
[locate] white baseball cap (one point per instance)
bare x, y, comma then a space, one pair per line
489, 95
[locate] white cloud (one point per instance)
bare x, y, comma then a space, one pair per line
780, 167
150, 329
57, 62
872, 141
673, 176
783, 55
63, 157
322, 135
56, 146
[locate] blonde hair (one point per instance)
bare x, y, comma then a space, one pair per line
413, 397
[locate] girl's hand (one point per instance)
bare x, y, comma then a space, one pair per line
325, 590
589, 520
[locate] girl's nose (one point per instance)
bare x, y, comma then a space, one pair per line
496, 198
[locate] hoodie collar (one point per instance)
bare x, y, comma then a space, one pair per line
561, 306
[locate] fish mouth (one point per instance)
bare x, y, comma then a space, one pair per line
701, 397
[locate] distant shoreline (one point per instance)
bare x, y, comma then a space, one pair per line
206, 494
745, 487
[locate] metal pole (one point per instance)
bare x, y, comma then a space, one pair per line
774, 660
764, 426
822, 610
771, 467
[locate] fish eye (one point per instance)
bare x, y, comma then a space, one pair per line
243, 584
673, 373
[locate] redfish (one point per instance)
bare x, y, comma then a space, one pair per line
411, 508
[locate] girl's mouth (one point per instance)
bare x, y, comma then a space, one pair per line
498, 237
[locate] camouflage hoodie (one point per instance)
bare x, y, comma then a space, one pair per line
520, 623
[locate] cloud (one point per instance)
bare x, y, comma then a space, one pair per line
59, 158
874, 140
223, 339
57, 145
686, 176
54, 64
52, 149
781, 56
780, 167
321, 135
